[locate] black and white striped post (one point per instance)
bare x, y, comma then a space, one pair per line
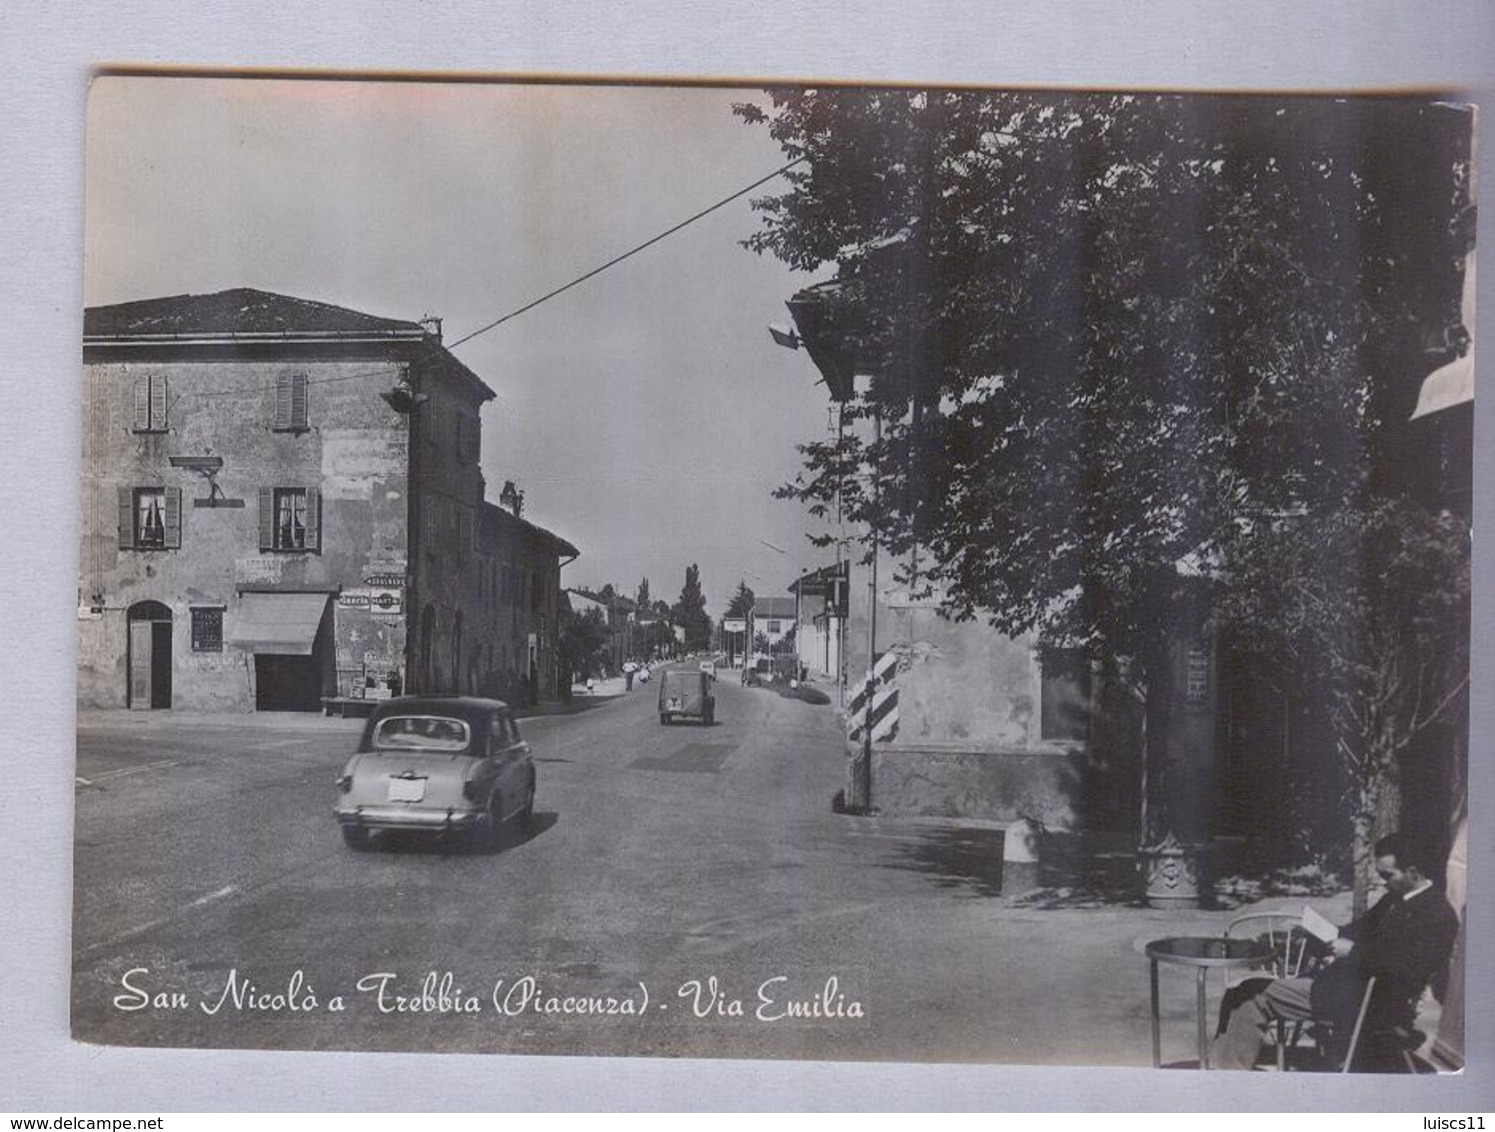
872, 612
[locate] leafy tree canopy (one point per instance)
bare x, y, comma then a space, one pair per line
1110, 335
1128, 352
584, 639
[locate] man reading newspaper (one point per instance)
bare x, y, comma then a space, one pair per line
1403, 940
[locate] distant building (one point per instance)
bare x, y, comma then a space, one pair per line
822, 618
282, 506
520, 567
582, 603
773, 620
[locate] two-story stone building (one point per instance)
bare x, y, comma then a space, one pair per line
281, 504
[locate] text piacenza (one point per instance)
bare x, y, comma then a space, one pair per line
775, 998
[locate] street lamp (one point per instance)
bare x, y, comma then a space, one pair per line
784, 336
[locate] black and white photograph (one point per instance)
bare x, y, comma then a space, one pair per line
785, 571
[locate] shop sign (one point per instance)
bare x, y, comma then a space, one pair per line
384, 601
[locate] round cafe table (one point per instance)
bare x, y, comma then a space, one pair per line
1203, 953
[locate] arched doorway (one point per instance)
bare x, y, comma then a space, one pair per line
149, 656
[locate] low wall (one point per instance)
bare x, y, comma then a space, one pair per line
967, 781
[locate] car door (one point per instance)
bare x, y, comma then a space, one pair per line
510, 754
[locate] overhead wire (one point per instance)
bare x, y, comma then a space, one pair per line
529, 306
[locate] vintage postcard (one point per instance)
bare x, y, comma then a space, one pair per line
834, 573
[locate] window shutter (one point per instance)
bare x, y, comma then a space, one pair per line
173, 518
126, 518
142, 404
313, 518
282, 402
267, 518
298, 400
158, 401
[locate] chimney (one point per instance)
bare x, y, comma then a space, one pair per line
512, 498
431, 324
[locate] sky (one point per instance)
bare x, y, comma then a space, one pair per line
646, 413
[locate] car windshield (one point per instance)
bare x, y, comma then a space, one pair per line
421, 733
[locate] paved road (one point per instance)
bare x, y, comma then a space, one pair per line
694, 879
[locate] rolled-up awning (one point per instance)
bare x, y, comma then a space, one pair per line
285, 624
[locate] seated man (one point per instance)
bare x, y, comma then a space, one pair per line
1403, 940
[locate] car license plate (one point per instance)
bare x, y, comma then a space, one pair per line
407, 789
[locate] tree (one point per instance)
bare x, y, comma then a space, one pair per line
741, 602
1373, 633
689, 611
1113, 338
658, 639
643, 594
584, 640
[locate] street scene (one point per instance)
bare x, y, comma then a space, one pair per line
705, 865
828, 574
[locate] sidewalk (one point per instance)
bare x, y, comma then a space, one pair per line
93, 719
314, 721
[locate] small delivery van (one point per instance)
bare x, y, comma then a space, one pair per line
686, 693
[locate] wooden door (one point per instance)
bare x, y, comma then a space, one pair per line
140, 665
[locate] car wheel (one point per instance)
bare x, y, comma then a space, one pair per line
664, 719
355, 837
489, 833
527, 814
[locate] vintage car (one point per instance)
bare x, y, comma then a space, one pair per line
452, 765
685, 693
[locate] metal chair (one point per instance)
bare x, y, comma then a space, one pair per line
1354, 1046
1283, 932
1291, 957
1397, 1041
1356, 1032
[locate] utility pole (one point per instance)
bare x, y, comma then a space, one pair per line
872, 610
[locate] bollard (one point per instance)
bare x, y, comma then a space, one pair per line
1019, 859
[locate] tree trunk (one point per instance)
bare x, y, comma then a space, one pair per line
1379, 814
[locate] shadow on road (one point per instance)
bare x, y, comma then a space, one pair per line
439, 845
960, 858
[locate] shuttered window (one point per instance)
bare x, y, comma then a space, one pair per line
290, 403
151, 403
290, 518
150, 518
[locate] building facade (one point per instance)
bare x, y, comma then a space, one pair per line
976, 725
519, 576
822, 618
281, 501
